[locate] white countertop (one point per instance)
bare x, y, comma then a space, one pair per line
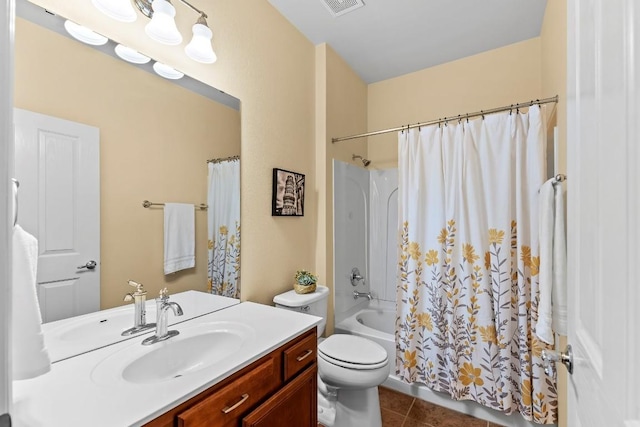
76, 394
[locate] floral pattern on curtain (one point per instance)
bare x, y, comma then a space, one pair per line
469, 263
223, 224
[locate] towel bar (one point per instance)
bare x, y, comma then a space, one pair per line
148, 204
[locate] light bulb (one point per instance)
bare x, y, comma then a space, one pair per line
131, 55
166, 71
199, 49
84, 34
162, 27
120, 10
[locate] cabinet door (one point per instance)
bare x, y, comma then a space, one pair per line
296, 404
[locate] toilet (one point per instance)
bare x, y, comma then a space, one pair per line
350, 368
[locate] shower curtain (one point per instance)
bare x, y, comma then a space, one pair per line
468, 262
223, 225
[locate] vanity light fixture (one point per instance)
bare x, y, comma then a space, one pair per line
131, 55
166, 71
162, 27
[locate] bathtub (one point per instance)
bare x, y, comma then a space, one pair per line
377, 322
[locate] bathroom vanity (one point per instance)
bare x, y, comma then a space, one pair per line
246, 365
280, 389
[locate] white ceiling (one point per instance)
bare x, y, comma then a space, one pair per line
389, 38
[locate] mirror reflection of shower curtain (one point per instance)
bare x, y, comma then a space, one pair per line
223, 228
469, 264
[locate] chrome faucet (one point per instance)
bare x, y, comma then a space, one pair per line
162, 307
139, 298
357, 295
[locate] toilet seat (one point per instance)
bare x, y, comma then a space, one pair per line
353, 352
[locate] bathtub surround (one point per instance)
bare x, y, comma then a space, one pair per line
468, 268
223, 228
351, 236
365, 218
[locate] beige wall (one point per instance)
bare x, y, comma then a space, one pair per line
155, 138
266, 63
341, 100
553, 40
491, 79
554, 82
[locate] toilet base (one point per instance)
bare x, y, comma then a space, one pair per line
358, 408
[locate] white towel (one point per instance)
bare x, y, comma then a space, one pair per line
30, 357
179, 237
552, 308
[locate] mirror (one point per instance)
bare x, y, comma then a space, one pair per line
155, 138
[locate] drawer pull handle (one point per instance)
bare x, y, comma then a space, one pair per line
240, 402
305, 355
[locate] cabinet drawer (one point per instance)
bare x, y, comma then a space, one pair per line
299, 355
295, 405
227, 406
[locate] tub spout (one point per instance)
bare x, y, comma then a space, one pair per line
357, 295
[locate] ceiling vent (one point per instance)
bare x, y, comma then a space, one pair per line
340, 7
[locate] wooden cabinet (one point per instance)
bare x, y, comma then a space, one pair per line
279, 389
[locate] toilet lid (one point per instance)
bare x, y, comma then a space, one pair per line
352, 352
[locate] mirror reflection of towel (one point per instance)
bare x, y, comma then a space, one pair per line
30, 358
179, 237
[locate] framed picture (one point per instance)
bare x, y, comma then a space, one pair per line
288, 193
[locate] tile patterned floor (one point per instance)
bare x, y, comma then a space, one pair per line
401, 410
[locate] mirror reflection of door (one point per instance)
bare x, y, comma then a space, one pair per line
58, 166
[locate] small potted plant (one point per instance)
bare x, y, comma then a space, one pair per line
305, 282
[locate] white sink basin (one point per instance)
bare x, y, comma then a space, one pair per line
196, 347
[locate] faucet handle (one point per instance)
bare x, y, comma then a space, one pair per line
139, 287
164, 294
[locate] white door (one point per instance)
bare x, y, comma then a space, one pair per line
6, 162
604, 211
58, 166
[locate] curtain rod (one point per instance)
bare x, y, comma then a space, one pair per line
448, 119
224, 159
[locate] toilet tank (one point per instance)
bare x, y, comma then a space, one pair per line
313, 303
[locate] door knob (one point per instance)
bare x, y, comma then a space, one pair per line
550, 357
90, 265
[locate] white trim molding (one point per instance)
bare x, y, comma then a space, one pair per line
7, 30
